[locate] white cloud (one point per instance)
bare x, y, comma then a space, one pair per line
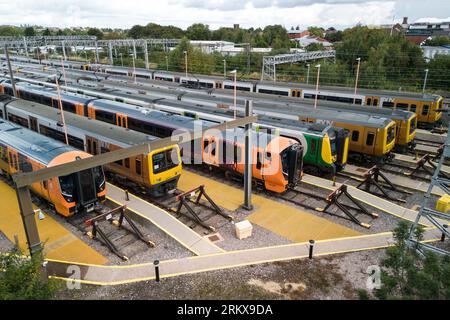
250, 13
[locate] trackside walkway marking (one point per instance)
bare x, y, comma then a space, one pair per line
170, 225
111, 275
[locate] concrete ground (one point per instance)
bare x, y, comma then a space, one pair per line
336, 277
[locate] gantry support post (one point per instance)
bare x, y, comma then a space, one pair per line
147, 64
97, 58
11, 74
248, 158
134, 50
29, 222
110, 50
64, 50
25, 46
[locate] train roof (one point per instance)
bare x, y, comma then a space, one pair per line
118, 135
346, 90
30, 143
154, 93
370, 92
174, 121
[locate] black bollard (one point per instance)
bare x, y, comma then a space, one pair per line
127, 196
311, 248
443, 233
156, 264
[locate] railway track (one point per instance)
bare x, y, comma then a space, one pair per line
204, 219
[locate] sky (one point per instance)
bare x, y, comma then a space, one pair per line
218, 13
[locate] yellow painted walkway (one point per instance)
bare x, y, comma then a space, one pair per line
60, 243
289, 222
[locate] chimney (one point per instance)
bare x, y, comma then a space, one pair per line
405, 20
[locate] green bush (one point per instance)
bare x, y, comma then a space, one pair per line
21, 278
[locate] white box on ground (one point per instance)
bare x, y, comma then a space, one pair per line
243, 229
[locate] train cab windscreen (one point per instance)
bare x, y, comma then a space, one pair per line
67, 187
164, 161
390, 134
292, 164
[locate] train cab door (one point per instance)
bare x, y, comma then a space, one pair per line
33, 124
13, 161
296, 93
92, 146
369, 141
79, 109
210, 151
219, 85
122, 120
91, 112
372, 101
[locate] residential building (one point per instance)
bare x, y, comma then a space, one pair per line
419, 32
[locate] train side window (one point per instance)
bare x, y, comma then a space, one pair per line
11, 164
388, 104
16, 162
45, 184
94, 147
413, 108
370, 139
355, 136
258, 161
402, 106
127, 163
425, 109
375, 102
138, 166
119, 162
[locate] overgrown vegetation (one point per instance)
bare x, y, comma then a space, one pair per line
408, 275
21, 278
387, 61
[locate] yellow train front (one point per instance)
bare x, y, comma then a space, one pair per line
406, 123
371, 137
22, 150
427, 107
159, 170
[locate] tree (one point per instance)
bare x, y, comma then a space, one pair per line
276, 37
438, 41
408, 275
316, 31
439, 68
95, 32
198, 31
10, 31
21, 279
29, 32
137, 32
315, 47
47, 32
